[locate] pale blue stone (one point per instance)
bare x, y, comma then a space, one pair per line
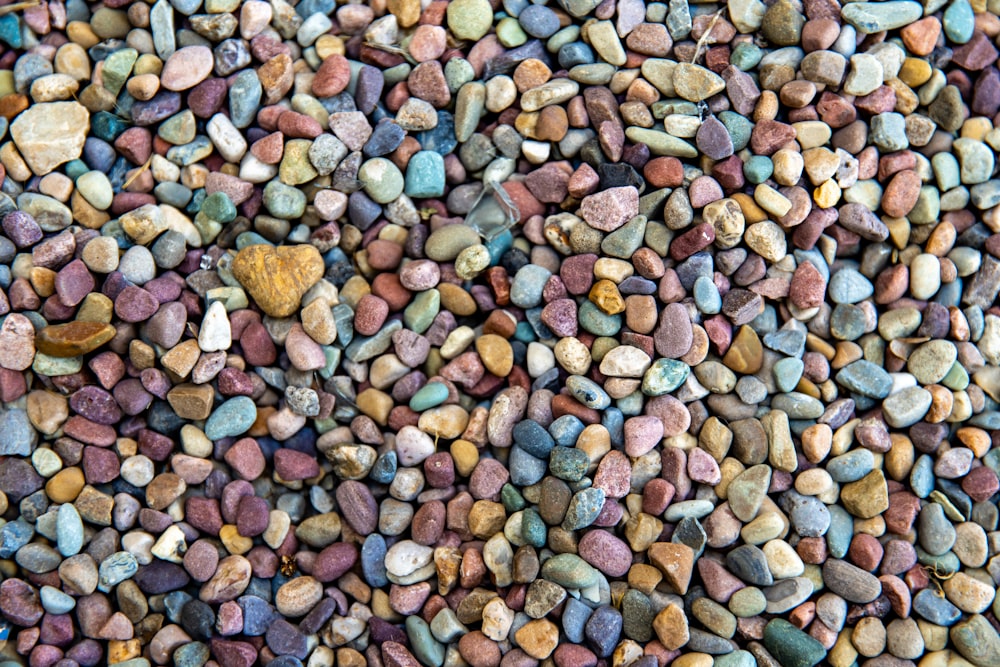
588, 392
232, 418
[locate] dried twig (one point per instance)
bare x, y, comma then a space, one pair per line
18, 6
704, 37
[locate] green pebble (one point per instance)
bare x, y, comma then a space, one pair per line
977, 640
470, 19
567, 35
593, 74
429, 396
284, 201
512, 499
95, 187
592, 319
959, 22
458, 72
791, 646
426, 649
664, 376
179, 128
54, 366
365, 348
233, 298
570, 571
758, 169
787, 373
533, 528
661, 143
583, 509
637, 616
957, 378
946, 170
510, 33
383, 181
625, 240
569, 463
419, 315
232, 418
739, 128
218, 206
746, 55
117, 68
748, 602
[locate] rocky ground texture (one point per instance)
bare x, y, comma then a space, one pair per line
438, 333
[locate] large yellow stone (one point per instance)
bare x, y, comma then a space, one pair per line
73, 338
277, 277
868, 497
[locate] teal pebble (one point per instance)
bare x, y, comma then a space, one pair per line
244, 98
419, 315
526, 288
219, 207
524, 333
426, 649
664, 376
584, 508
498, 245
888, 130
631, 405
569, 463
624, 241
791, 646
363, 349
758, 169
849, 286
247, 239
746, 55
865, 378
284, 201
55, 601
425, 175
76, 168
570, 571
172, 194
841, 531
196, 151
787, 373
588, 392
847, 322
533, 528
232, 418
191, 654
10, 31
107, 126
706, 296
512, 499
739, 128
959, 22
429, 396
852, 466
599, 323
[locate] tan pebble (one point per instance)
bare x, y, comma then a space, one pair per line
65, 485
